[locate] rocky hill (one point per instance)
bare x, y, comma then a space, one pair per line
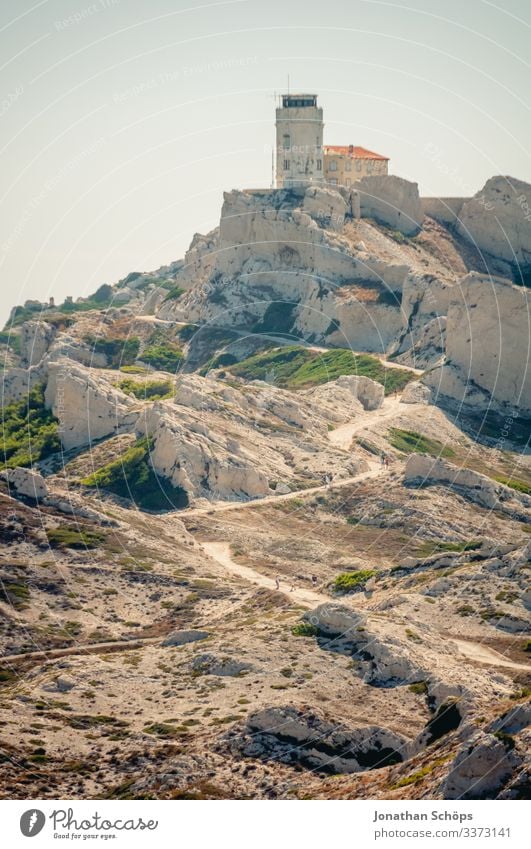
266, 510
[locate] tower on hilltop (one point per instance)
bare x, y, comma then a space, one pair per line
299, 148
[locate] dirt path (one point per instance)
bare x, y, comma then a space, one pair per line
341, 437
69, 651
220, 552
482, 654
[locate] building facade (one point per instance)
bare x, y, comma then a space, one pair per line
344, 164
299, 141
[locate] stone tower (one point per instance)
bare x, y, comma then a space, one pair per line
299, 124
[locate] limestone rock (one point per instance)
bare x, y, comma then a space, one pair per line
325, 206
180, 638
35, 340
497, 219
26, 482
87, 407
416, 393
293, 736
391, 200
481, 767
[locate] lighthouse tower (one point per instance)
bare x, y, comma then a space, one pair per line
299, 150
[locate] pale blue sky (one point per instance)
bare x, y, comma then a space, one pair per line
123, 121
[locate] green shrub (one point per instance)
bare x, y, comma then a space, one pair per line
29, 431
152, 390
296, 367
351, 581
507, 740
186, 332
304, 629
165, 356
119, 351
420, 688
411, 442
74, 537
131, 476
174, 294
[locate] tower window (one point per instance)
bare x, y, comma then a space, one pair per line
287, 142
319, 164
286, 165
333, 165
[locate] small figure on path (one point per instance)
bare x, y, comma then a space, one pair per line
277, 582
314, 580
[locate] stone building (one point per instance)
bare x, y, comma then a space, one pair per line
302, 159
344, 164
299, 142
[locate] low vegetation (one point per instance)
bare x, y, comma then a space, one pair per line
71, 536
153, 390
515, 483
174, 294
120, 351
162, 353
352, 581
411, 442
295, 367
304, 629
131, 476
29, 431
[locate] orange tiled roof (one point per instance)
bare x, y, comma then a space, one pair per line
353, 151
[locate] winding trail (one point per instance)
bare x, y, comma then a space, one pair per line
341, 437
483, 654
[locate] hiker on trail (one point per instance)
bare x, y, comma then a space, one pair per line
382, 459
386, 461
277, 582
314, 580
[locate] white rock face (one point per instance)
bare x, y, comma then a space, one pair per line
481, 767
35, 340
87, 407
479, 488
325, 206
416, 393
391, 200
17, 382
487, 340
180, 638
26, 482
497, 219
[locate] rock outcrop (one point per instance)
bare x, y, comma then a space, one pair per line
26, 482
87, 407
481, 767
497, 220
392, 201
487, 339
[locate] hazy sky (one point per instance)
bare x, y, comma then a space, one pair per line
124, 120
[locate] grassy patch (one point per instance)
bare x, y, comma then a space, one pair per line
29, 431
152, 390
166, 356
514, 483
351, 581
131, 476
295, 367
73, 537
411, 442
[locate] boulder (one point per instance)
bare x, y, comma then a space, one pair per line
392, 201
180, 638
416, 393
497, 220
26, 482
368, 392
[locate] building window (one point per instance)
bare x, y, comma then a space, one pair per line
333, 165
287, 142
286, 165
358, 165
348, 165
347, 181
319, 164
333, 181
